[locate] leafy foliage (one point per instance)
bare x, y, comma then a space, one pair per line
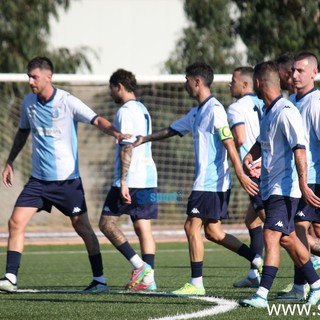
271, 27
210, 37
24, 32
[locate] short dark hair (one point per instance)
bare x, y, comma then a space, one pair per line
245, 70
202, 70
41, 63
126, 78
286, 59
267, 72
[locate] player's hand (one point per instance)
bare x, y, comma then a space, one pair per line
139, 141
255, 169
7, 175
310, 197
247, 184
249, 166
122, 136
125, 194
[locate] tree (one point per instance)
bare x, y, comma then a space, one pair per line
209, 38
272, 27
24, 33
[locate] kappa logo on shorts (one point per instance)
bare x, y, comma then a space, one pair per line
300, 214
106, 209
195, 211
279, 224
76, 210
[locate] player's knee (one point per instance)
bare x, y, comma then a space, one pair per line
212, 237
107, 227
14, 225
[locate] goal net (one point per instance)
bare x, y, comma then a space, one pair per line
166, 99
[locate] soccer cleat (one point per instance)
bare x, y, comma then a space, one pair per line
145, 287
138, 275
314, 297
292, 295
7, 285
289, 288
254, 301
315, 263
247, 282
190, 290
96, 287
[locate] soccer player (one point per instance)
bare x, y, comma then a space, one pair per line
244, 117
135, 180
284, 63
307, 100
282, 146
51, 115
208, 201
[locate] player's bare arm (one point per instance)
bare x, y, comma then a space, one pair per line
239, 135
246, 183
18, 143
126, 155
158, 135
106, 127
302, 169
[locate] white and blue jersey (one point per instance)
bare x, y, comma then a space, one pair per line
246, 111
281, 132
53, 126
309, 107
204, 121
134, 118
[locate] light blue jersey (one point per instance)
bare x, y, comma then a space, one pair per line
212, 169
54, 134
309, 107
246, 111
133, 118
281, 132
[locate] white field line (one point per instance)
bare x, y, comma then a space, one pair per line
221, 305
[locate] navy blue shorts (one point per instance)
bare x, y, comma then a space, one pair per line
280, 212
143, 203
67, 196
208, 205
256, 201
306, 212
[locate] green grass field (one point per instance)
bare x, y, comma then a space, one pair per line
52, 271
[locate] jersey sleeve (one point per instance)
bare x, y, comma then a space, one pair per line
24, 119
220, 123
292, 127
235, 117
124, 123
81, 112
184, 124
315, 117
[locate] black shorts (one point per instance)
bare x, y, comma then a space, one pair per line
280, 212
67, 196
305, 211
141, 207
256, 201
208, 205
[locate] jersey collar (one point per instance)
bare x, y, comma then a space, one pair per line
273, 103
313, 89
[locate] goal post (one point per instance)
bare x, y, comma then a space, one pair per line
166, 100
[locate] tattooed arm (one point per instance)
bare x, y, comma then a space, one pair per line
158, 135
302, 169
126, 155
